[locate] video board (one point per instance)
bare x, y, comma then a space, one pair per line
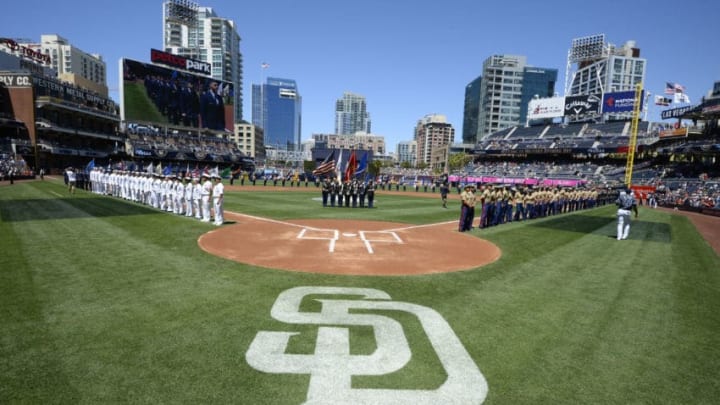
166, 96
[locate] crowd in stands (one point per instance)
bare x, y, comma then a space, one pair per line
582, 135
13, 165
150, 138
695, 194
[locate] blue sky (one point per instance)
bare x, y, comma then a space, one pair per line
408, 58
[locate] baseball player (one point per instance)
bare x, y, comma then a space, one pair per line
625, 203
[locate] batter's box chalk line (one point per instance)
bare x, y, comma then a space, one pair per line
367, 237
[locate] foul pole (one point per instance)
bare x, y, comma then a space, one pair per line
632, 144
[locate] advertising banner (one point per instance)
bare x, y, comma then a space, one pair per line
582, 105
621, 101
180, 62
673, 133
545, 108
676, 112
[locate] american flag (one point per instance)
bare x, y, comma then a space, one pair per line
672, 88
265, 65
327, 166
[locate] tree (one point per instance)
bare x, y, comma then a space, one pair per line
458, 160
405, 164
308, 166
374, 168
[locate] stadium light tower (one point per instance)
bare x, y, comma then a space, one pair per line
583, 49
184, 12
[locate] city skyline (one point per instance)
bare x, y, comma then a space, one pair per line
404, 69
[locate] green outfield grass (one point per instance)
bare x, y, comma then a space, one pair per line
138, 104
106, 301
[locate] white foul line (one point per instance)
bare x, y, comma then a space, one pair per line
336, 233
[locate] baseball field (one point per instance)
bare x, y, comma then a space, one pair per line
108, 301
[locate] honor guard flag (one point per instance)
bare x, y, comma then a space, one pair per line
327, 166
339, 166
351, 166
362, 166
90, 166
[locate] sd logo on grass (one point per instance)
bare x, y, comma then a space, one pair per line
332, 366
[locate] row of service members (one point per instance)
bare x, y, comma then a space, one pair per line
188, 196
348, 193
501, 204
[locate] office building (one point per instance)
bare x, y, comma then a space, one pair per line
277, 109
72, 65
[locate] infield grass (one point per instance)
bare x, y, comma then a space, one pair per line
106, 301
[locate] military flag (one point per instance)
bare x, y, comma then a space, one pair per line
362, 166
351, 166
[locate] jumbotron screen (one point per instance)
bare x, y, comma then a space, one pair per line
166, 96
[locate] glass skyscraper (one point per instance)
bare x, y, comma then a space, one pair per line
471, 111
537, 82
277, 108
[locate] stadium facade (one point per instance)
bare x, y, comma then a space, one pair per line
351, 115
50, 123
277, 109
198, 33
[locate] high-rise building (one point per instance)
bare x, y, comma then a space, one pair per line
249, 140
407, 152
277, 108
199, 33
471, 111
506, 86
432, 131
72, 64
351, 115
537, 83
